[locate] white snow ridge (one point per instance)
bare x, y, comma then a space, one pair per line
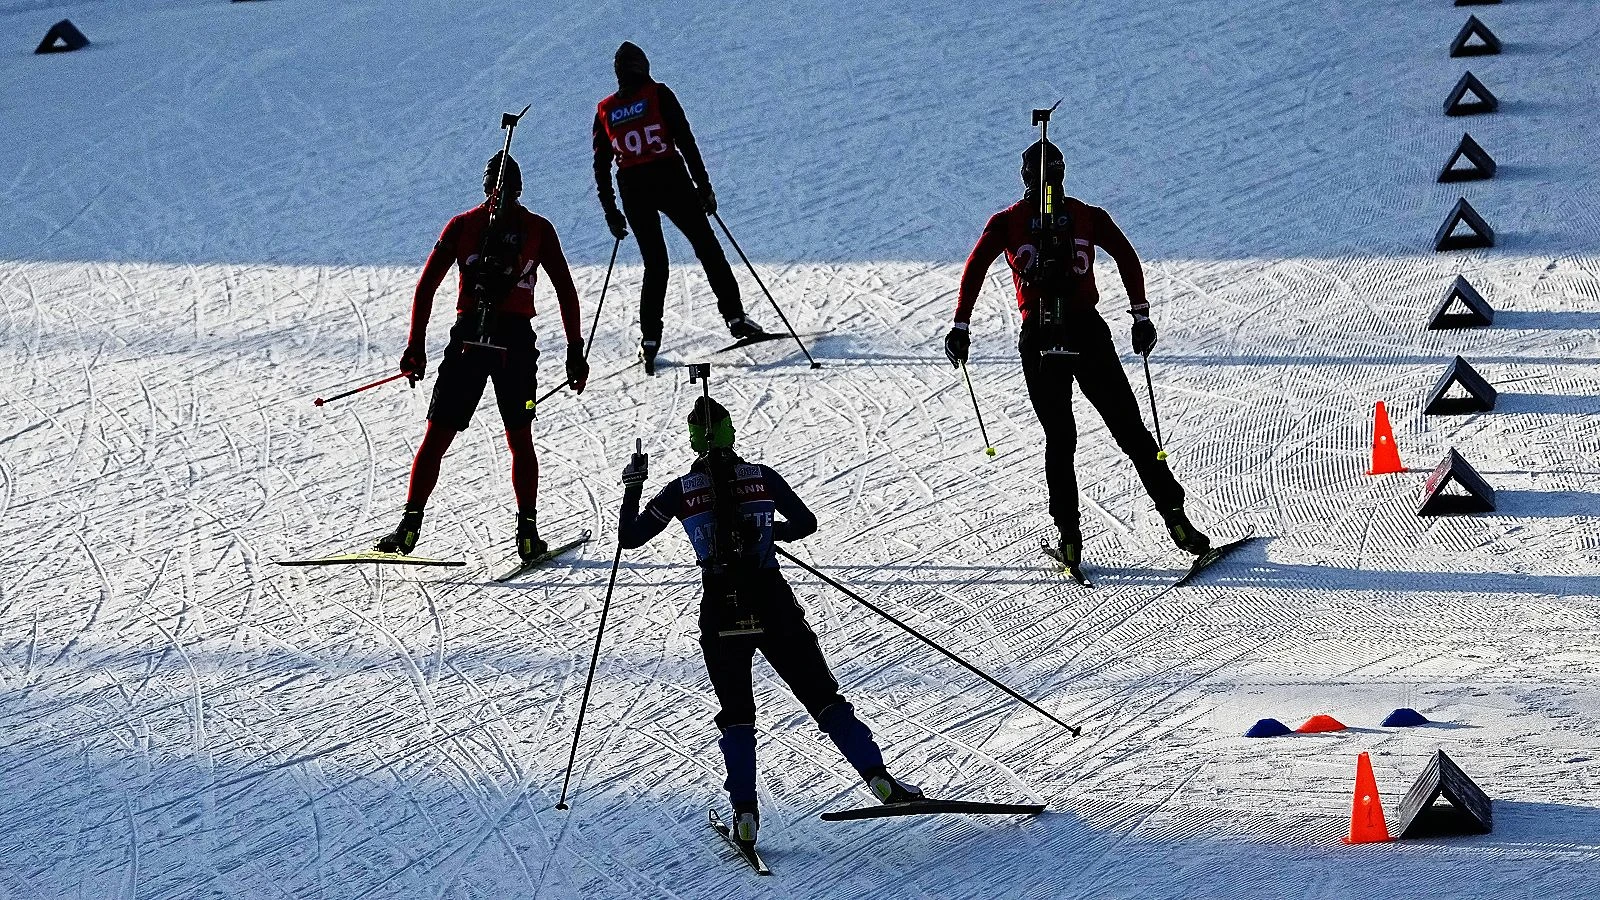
217, 211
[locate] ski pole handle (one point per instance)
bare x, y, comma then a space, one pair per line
365, 387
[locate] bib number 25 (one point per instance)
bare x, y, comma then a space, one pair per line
639, 141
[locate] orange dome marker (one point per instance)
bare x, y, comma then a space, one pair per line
1385, 455
1318, 724
1366, 810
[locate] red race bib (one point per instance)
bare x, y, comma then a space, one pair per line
635, 127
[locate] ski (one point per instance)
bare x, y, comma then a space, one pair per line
1214, 555
544, 557
927, 807
748, 854
1073, 572
370, 556
762, 338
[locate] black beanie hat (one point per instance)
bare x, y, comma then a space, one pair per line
491, 173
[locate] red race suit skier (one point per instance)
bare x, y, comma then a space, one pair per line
508, 358
1078, 348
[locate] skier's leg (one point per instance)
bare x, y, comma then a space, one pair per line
1105, 385
791, 647
456, 392
728, 666
1049, 381
425, 468
644, 217
683, 207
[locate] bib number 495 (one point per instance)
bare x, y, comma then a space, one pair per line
636, 141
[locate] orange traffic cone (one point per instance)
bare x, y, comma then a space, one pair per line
1385, 456
1366, 811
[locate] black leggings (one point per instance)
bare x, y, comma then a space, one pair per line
648, 191
1099, 372
787, 642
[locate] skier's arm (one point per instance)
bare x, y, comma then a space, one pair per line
603, 155
637, 529
990, 245
678, 125
1110, 237
433, 273
555, 265
798, 521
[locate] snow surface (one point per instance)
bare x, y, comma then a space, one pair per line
217, 211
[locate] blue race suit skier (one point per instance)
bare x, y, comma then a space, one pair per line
731, 510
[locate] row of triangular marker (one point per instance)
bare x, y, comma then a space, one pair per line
1454, 487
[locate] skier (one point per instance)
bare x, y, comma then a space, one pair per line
727, 506
643, 128
1089, 356
511, 362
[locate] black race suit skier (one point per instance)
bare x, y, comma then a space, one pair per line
467, 369
659, 171
1095, 366
731, 511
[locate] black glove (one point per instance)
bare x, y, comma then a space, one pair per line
708, 199
637, 470
414, 362
617, 222
1144, 335
577, 367
955, 345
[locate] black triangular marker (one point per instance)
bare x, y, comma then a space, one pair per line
1463, 213
1457, 103
1480, 393
1488, 45
1477, 310
1453, 469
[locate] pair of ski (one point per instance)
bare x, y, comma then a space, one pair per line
401, 559
1200, 564
921, 807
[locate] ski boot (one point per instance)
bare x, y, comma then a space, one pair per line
1071, 549
1184, 534
647, 353
741, 327
888, 790
529, 546
404, 538
746, 822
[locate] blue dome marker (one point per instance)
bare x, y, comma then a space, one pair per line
1268, 728
1405, 717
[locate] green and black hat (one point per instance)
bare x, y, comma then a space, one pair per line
710, 426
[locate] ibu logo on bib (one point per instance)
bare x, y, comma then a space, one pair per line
631, 111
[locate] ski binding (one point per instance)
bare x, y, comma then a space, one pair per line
544, 557
746, 853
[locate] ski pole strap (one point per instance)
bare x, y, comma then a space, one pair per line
1074, 729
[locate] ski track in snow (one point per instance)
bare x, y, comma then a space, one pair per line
216, 215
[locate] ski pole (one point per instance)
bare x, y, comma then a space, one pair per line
594, 660
365, 387
926, 640
1160, 453
759, 282
987, 447
592, 325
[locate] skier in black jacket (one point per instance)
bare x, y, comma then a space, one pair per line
730, 509
659, 170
